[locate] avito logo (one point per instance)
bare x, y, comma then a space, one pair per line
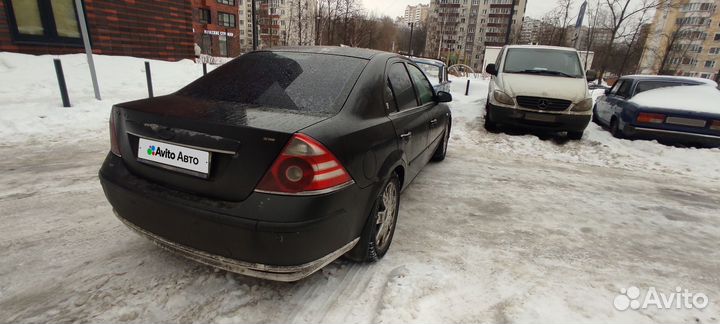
165, 153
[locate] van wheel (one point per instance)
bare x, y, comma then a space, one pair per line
575, 135
595, 118
441, 150
490, 125
380, 228
615, 128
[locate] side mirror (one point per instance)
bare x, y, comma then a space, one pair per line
443, 96
607, 92
591, 75
491, 69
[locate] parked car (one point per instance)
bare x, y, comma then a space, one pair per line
656, 107
436, 71
278, 162
595, 86
539, 87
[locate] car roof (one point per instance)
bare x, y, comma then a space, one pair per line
428, 61
362, 53
570, 49
646, 77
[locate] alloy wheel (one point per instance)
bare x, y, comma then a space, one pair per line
387, 212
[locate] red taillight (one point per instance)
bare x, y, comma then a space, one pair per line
114, 145
715, 125
651, 118
304, 167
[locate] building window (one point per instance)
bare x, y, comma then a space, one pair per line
205, 16
226, 19
227, 2
709, 64
206, 44
223, 45
717, 37
43, 21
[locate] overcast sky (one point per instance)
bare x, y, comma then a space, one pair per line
394, 8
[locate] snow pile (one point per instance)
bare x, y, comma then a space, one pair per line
687, 98
30, 104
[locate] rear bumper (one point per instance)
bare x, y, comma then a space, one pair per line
240, 236
669, 136
561, 122
277, 273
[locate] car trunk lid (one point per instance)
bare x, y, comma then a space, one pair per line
242, 141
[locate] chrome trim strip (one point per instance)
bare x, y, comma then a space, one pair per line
264, 271
310, 193
651, 130
182, 144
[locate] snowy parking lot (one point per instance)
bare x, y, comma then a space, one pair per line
509, 228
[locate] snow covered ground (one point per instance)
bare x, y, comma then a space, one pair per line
509, 228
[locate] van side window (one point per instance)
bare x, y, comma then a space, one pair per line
402, 87
499, 58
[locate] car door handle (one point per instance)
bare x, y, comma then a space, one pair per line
406, 136
433, 122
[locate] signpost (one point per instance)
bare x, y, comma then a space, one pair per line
579, 22
88, 49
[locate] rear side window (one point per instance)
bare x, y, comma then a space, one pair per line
643, 86
402, 87
303, 82
425, 91
624, 90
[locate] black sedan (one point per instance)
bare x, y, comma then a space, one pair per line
278, 162
672, 110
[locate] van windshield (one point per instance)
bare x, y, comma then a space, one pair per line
544, 62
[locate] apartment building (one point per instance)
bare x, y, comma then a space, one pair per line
459, 30
530, 31
216, 26
417, 14
286, 22
596, 37
684, 39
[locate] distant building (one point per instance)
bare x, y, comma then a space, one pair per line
216, 27
684, 39
530, 31
155, 29
417, 14
458, 31
285, 22
600, 37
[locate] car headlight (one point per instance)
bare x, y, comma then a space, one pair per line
503, 98
584, 105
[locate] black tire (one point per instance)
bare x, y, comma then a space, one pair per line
370, 248
595, 119
615, 128
441, 150
575, 135
490, 125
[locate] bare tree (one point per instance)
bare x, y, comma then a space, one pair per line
620, 13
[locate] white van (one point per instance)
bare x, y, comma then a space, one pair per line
541, 87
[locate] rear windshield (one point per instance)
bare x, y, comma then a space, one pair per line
304, 82
543, 61
643, 86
